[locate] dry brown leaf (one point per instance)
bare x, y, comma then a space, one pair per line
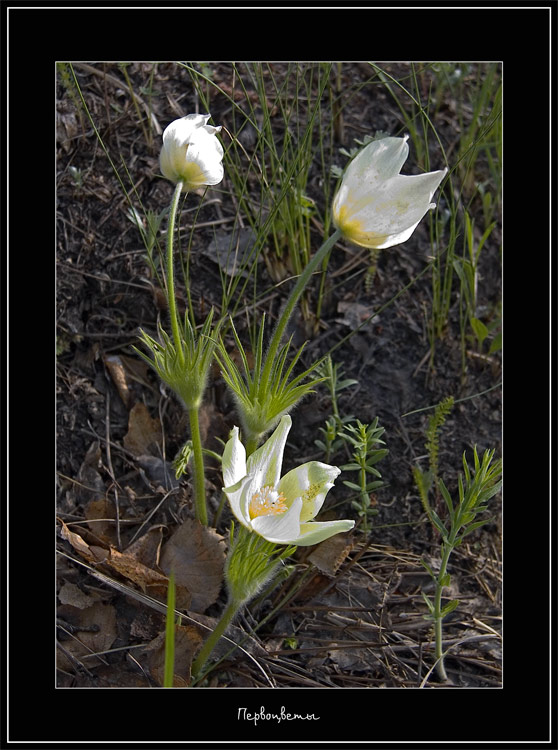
90, 552
147, 548
117, 372
196, 554
140, 564
97, 511
329, 555
144, 434
90, 483
187, 640
94, 631
134, 571
71, 594
127, 564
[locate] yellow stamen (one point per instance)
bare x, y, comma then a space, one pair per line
267, 502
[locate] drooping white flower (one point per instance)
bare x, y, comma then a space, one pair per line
377, 207
279, 508
191, 152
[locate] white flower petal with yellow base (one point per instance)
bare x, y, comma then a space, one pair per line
280, 509
280, 528
311, 482
377, 207
192, 153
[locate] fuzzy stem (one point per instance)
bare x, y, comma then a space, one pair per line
199, 471
226, 619
294, 296
447, 547
364, 499
170, 272
251, 445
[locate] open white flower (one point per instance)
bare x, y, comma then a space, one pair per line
278, 508
377, 207
191, 152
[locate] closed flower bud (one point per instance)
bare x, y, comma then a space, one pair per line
192, 153
377, 207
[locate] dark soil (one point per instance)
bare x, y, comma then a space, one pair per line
356, 620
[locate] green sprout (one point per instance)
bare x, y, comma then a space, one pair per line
364, 438
474, 491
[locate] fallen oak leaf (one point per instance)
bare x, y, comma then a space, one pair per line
196, 554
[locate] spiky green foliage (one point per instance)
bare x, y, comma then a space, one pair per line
364, 438
261, 400
183, 367
474, 491
435, 423
252, 562
425, 480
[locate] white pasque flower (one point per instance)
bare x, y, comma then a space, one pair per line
279, 508
377, 207
191, 152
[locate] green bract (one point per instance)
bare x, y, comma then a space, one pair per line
266, 392
377, 207
184, 368
278, 508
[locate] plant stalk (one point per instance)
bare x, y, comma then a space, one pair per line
170, 272
199, 470
294, 296
168, 680
448, 547
226, 619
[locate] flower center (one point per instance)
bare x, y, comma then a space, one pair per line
267, 502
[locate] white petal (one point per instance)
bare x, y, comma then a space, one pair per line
239, 495
234, 460
192, 153
310, 482
181, 130
390, 214
378, 161
315, 532
281, 528
264, 464
377, 207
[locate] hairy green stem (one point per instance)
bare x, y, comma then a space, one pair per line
364, 498
447, 549
294, 296
199, 470
251, 445
226, 619
170, 272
